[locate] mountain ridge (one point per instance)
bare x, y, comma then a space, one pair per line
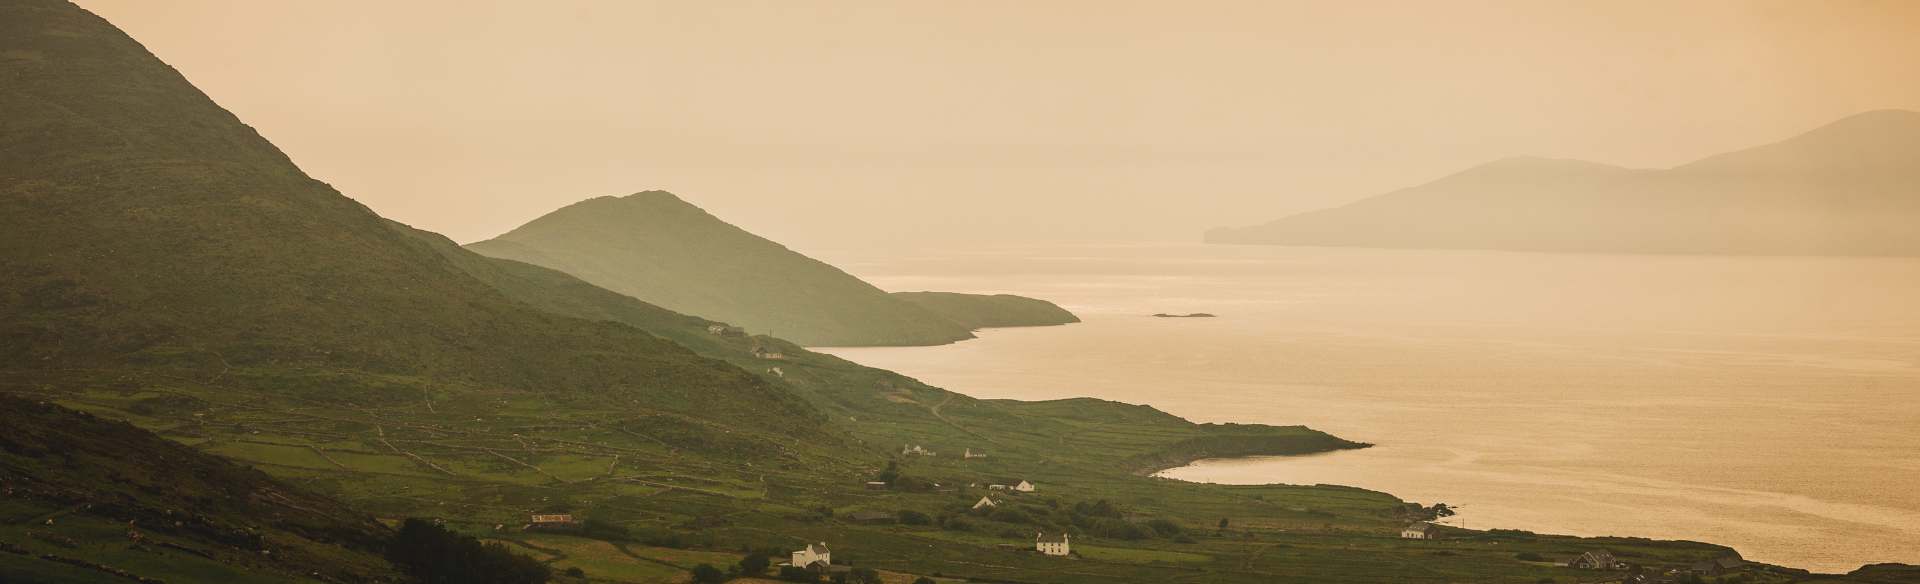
1850, 187
655, 247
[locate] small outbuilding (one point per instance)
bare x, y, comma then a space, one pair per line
988, 501
876, 486
548, 522
1717, 566
976, 453
768, 353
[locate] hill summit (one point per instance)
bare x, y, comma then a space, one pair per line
1851, 187
667, 252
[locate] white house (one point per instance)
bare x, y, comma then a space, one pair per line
1012, 485
1421, 531
1024, 487
988, 501
1052, 545
915, 450
768, 353
1597, 560
976, 453
815, 554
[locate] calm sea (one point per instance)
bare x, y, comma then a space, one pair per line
1767, 403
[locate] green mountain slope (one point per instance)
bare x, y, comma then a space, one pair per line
77, 486
165, 266
1851, 187
978, 311
145, 229
657, 248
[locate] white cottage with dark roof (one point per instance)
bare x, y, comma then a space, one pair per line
815, 557
1052, 545
1421, 530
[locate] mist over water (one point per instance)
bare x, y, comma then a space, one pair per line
1765, 403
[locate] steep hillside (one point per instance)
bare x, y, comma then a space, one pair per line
1848, 188
978, 311
145, 230
657, 248
79, 487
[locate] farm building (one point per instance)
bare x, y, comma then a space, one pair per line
815, 557
768, 353
1717, 566
1052, 545
915, 450
727, 331
876, 486
988, 501
976, 453
1421, 530
551, 522
1596, 560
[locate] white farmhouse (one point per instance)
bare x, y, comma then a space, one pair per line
1052, 545
915, 450
987, 501
815, 557
1421, 531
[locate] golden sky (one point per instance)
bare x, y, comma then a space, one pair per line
843, 125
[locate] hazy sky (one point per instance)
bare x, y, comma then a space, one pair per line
854, 125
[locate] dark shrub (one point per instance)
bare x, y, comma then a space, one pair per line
1010, 515
1163, 527
707, 574
863, 576
434, 555
754, 564
793, 574
576, 572
597, 529
911, 517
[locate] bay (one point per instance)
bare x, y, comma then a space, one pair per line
1767, 403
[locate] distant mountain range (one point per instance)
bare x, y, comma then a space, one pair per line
1851, 187
662, 250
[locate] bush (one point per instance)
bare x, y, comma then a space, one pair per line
1116, 529
863, 576
1183, 538
754, 564
1010, 515
434, 555
597, 529
959, 524
707, 574
793, 574
911, 517
923, 580
1529, 557
1163, 527
576, 572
